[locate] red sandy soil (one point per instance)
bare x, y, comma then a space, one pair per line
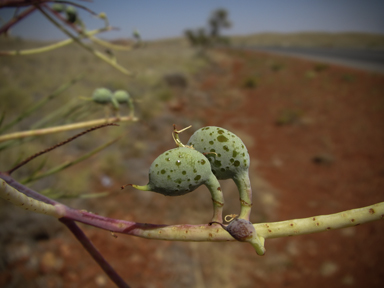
316, 139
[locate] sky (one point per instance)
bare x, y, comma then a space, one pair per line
158, 19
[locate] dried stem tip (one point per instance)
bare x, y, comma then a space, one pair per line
243, 230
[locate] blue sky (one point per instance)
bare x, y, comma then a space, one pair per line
156, 19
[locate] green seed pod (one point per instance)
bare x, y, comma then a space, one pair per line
71, 14
122, 97
229, 160
102, 96
181, 170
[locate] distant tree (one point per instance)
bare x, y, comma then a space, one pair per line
211, 35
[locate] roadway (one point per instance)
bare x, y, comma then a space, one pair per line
365, 59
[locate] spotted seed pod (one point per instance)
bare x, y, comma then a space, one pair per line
226, 152
181, 170
229, 159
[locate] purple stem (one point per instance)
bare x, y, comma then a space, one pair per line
25, 190
116, 225
16, 19
87, 244
106, 223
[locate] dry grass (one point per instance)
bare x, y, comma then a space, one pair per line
313, 39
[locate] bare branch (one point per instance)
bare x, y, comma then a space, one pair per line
58, 145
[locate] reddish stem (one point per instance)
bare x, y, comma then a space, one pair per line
87, 244
16, 19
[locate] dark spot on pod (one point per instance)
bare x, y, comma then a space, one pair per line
202, 161
163, 171
237, 163
156, 165
168, 159
234, 153
218, 155
179, 180
211, 142
232, 160
178, 162
197, 178
167, 153
194, 170
220, 131
184, 172
217, 163
222, 138
225, 147
213, 150
219, 188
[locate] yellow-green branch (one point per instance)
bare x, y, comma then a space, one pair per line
78, 41
56, 129
53, 46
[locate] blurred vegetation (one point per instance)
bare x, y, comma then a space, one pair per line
24, 80
312, 39
212, 34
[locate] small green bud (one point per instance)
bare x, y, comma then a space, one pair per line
121, 96
102, 96
71, 14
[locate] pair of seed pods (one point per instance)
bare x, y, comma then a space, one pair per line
212, 154
105, 96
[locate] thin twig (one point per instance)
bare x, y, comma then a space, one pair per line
93, 51
62, 128
110, 45
53, 46
68, 164
92, 250
16, 19
58, 145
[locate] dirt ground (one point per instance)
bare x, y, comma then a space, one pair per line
316, 140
